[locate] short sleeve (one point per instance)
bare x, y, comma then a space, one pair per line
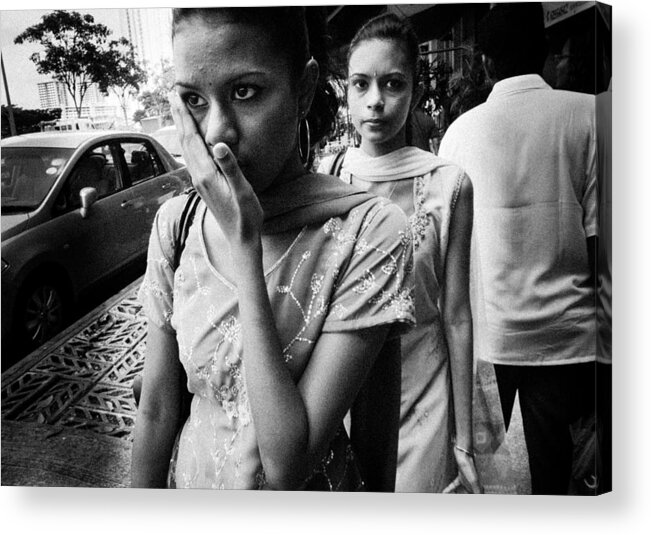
156, 293
376, 285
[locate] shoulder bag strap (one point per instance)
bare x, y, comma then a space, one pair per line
337, 163
187, 217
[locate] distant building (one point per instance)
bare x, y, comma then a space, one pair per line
54, 94
150, 32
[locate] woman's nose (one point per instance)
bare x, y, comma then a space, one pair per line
221, 127
375, 99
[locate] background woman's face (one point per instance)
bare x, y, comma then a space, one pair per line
239, 90
380, 88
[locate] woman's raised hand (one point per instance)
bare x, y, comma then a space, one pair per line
219, 181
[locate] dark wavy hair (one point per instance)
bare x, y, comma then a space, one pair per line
390, 27
298, 32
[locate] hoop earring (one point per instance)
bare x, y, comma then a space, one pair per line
305, 156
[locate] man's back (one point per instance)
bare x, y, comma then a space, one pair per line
530, 153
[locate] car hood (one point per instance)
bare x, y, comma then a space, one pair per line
13, 224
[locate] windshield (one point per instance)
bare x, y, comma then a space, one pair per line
28, 174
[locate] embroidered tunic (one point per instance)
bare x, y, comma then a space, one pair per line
344, 274
426, 188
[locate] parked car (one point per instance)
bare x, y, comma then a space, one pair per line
76, 208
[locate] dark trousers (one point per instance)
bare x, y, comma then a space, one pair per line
605, 424
551, 399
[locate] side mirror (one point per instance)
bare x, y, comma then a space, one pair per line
87, 196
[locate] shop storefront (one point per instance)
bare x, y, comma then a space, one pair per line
580, 45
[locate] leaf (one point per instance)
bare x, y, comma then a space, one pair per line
45, 402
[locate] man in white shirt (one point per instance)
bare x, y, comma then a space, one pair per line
530, 152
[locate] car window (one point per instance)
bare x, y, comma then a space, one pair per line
142, 161
96, 169
28, 174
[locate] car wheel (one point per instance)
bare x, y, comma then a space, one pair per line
42, 312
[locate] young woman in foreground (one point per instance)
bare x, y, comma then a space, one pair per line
289, 283
435, 442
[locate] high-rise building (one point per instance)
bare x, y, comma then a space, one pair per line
54, 94
150, 32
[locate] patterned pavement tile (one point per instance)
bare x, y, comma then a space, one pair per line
83, 379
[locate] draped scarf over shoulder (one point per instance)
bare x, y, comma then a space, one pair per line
406, 162
309, 199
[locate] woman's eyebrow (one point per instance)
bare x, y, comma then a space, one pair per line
394, 73
184, 85
382, 75
227, 78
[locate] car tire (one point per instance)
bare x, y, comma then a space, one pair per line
42, 311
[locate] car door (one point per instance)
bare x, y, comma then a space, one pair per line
151, 184
94, 243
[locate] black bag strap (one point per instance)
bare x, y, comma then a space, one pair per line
337, 163
187, 216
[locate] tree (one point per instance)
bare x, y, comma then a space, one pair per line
449, 93
154, 99
123, 75
138, 115
469, 87
76, 49
27, 120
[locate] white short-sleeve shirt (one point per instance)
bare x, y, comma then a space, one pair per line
530, 152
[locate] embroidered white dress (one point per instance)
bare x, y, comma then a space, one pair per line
426, 188
347, 273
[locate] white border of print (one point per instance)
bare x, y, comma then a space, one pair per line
99, 511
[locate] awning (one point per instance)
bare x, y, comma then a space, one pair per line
555, 12
430, 21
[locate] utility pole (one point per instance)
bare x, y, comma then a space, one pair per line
12, 123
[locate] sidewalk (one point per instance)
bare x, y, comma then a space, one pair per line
68, 410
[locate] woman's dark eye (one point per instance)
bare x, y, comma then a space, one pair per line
360, 84
395, 85
193, 101
244, 92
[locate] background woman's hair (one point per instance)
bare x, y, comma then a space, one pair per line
298, 32
390, 27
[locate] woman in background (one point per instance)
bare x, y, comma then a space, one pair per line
435, 441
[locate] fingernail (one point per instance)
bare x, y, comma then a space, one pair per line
220, 150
